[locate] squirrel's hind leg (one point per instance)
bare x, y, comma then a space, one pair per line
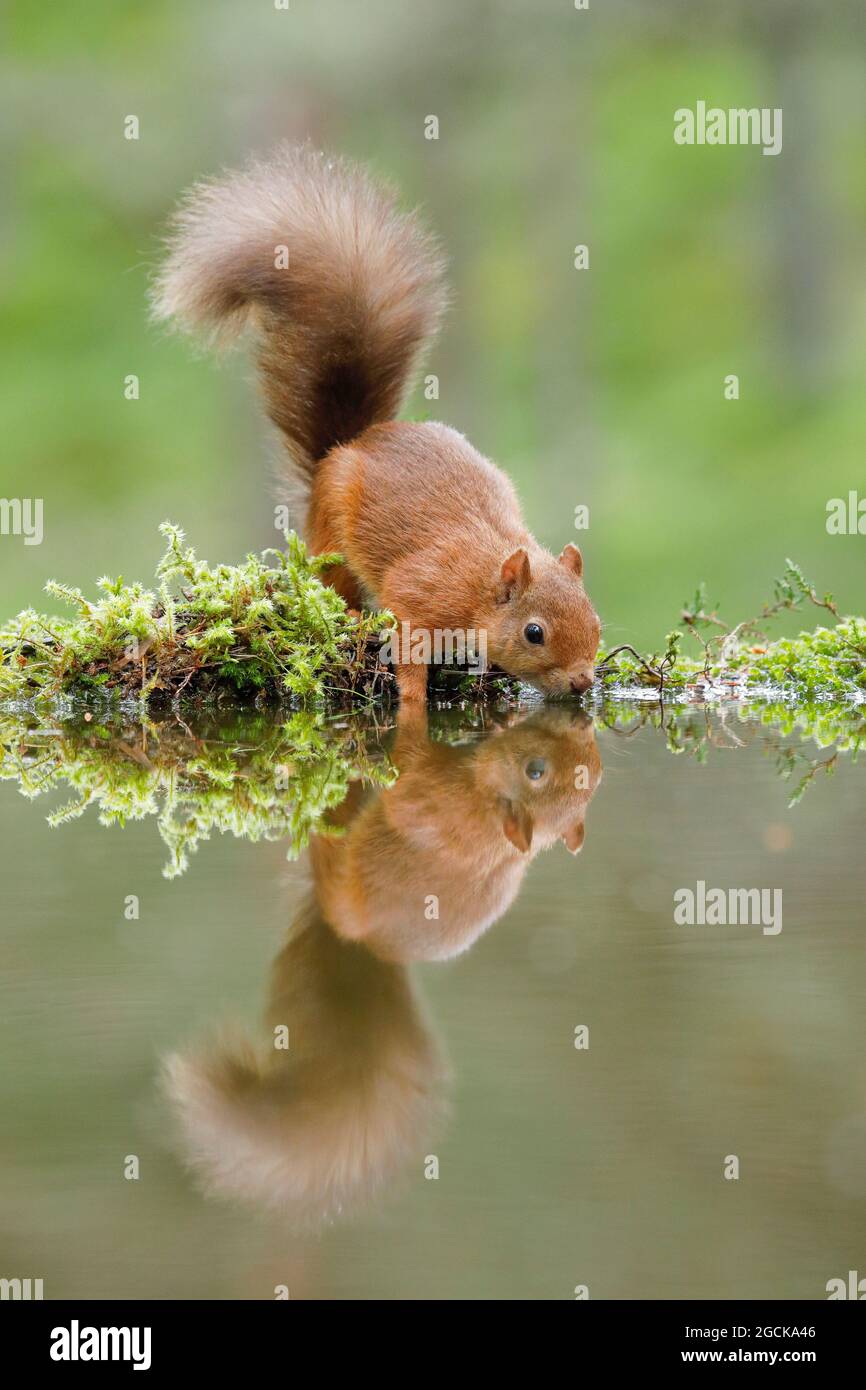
324, 536
347, 584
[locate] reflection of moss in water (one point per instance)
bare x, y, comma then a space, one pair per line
260, 778
702, 724
698, 728
253, 778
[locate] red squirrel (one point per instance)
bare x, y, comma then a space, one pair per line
344, 292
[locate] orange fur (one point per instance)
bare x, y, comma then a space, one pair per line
426, 525
320, 1128
460, 823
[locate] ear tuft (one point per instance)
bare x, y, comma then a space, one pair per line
573, 838
517, 826
572, 559
515, 573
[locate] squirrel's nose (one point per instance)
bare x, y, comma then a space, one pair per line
582, 681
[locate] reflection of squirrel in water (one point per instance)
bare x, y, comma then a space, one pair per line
455, 834
344, 292
323, 1125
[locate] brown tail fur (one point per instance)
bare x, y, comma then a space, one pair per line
341, 327
320, 1128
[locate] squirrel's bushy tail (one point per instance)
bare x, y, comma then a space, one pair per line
342, 289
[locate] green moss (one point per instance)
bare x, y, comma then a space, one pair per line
268, 626
270, 629
828, 663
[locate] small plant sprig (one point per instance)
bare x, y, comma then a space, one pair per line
830, 661
790, 592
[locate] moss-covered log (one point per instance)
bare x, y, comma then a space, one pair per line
269, 629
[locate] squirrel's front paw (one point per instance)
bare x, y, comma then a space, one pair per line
412, 684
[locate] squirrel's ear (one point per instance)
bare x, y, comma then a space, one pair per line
573, 837
515, 574
572, 559
517, 826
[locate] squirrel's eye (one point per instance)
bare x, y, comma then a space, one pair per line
535, 769
533, 633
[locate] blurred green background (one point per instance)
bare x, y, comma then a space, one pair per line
602, 387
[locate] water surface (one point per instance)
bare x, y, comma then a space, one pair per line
491, 884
